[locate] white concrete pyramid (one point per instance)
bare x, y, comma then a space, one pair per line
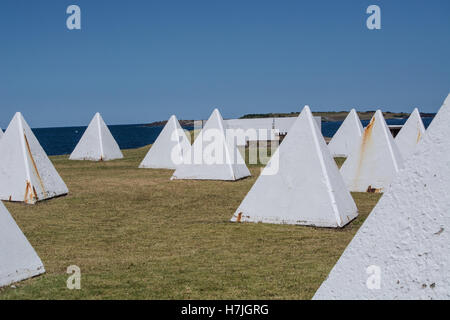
307, 188
169, 148
212, 156
410, 134
1, 133
374, 161
26, 173
401, 250
18, 260
97, 143
347, 137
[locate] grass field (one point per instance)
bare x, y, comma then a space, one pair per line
137, 235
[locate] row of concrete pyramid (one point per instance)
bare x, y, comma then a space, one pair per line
172, 150
307, 188
27, 175
369, 147
370, 166
330, 204
350, 133
400, 251
373, 156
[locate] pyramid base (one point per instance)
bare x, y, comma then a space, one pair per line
274, 220
21, 275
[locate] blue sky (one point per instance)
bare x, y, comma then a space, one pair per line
140, 61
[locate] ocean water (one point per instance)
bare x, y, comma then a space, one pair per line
59, 141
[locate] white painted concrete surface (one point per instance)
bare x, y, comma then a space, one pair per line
307, 189
410, 134
407, 235
97, 143
18, 260
26, 173
347, 137
376, 159
169, 148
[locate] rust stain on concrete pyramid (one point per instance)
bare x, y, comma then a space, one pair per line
26, 173
374, 161
212, 156
97, 143
401, 250
18, 260
301, 184
347, 137
170, 147
410, 134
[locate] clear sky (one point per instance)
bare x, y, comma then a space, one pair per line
138, 61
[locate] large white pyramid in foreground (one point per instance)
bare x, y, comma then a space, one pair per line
410, 134
18, 260
212, 156
26, 173
1, 133
402, 249
307, 188
97, 143
169, 148
347, 137
374, 161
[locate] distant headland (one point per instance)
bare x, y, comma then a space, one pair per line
326, 116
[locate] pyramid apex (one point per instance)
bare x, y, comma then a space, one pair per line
378, 114
306, 108
18, 114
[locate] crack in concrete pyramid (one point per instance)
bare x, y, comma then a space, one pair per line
169, 148
307, 188
401, 250
97, 143
18, 260
347, 137
410, 134
375, 160
212, 156
26, 173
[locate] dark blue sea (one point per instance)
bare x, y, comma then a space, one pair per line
58, 141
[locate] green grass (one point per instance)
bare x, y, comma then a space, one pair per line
137, 235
